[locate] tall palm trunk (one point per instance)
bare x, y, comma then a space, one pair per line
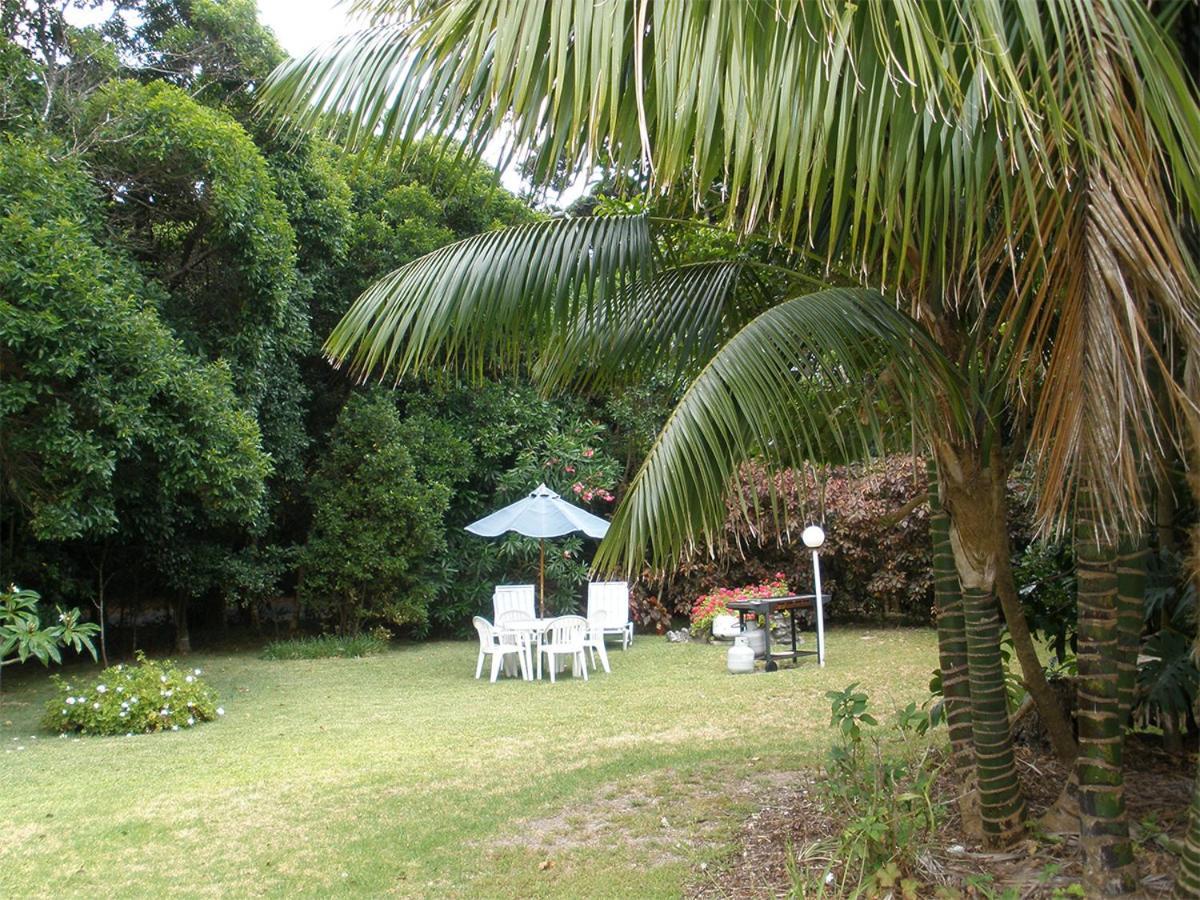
974, 499
1103, 828
952, 656
1187, 882
1133, 555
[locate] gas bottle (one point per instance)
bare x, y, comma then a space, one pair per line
740, 657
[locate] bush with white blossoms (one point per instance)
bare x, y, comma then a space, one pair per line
147, 696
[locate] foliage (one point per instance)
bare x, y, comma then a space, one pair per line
708, 606
1168, 677
141, 698
22, 634
1045, 575
880, 783
95, 386
376, 526
326, 646
875, 562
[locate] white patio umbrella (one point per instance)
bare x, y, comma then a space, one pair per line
542, 514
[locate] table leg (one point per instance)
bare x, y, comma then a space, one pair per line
771, 665
792, 617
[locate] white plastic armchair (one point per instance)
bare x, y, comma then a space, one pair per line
498, 645
508, 597
594, 643
608, 603
565, 636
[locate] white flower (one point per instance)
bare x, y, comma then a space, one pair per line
220, 711
191, 720
134, 700
196, 672
101, 689
64, 711
164, 712
120, 690
95, 706
189, 679
129, 734
162, 678
70, 701
174, 727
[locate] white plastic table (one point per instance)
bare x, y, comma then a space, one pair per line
530, 633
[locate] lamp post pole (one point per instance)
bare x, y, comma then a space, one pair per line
813, 537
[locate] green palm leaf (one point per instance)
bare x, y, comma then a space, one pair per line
796, 383
494, 297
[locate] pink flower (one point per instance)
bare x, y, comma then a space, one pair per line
589, 453
577, 487
570, 468
587, 495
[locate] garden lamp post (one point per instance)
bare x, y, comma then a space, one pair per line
813, 537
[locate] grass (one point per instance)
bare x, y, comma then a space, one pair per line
400, 774
325, 646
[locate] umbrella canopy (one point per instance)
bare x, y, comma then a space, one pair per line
542, 514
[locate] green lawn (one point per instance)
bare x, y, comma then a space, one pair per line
401, 774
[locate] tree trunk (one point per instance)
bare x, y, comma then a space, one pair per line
1187, 882
183, 639
1054, 718
952, 656
1103, 828
1134, 552
974, 499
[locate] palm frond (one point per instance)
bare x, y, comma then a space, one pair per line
796, 383
494, 296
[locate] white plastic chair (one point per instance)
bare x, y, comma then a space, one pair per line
608, 602
507, 597
594, 642
565, 636
499, 645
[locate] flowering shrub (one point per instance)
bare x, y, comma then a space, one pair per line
133, 699
709, 606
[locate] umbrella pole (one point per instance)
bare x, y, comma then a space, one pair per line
542, 574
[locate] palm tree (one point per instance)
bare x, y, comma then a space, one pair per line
1012, 175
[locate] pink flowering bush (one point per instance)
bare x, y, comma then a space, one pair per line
708, 606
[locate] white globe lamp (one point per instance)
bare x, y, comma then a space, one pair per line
813, 536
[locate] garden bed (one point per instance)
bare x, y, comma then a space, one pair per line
783, 843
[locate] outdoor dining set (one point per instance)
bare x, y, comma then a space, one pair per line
519, 640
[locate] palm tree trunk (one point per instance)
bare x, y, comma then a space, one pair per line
1187, 882
974, 499
1134, 552
952, 656
1103, 828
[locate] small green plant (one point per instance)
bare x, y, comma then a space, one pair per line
880, 785
328, 646
22, 634
150, 695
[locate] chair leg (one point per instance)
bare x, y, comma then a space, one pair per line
497, 659
583, 664
479, 666
603, 658
522, 655
553, 666
539, 664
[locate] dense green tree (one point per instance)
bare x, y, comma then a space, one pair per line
93, 381
376, 528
